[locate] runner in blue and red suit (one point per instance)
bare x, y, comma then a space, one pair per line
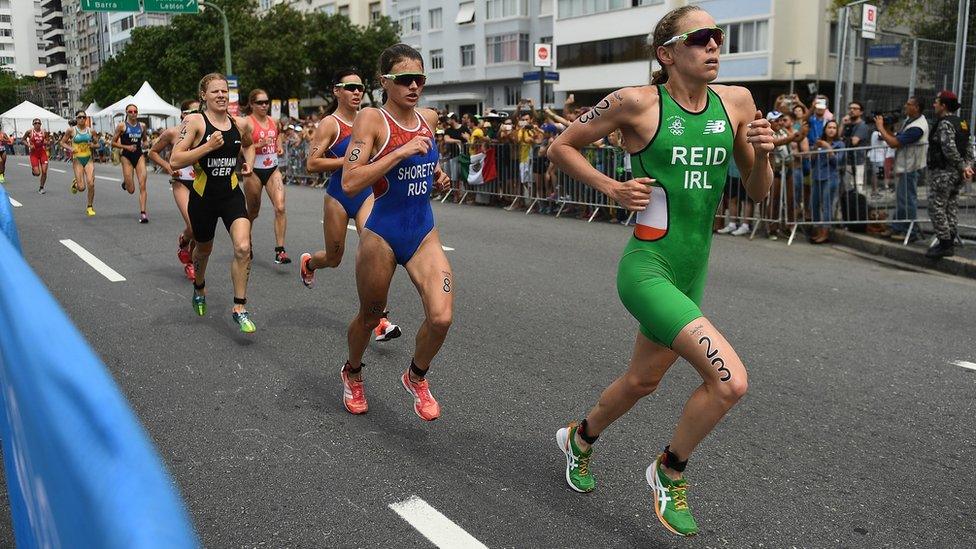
328, 150
392, 150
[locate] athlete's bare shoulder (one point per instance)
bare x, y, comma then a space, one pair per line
430, 115
738, 101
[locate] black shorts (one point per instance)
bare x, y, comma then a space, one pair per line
132, 157
205, 211
264, 174
188, 183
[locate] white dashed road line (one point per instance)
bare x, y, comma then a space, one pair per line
116, 179
95, 263
13, 202
964, 364
437, 528
49, 168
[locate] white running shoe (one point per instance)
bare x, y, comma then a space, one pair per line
743, 229
728, 228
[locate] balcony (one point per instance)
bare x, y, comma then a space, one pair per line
52, 33
47, 17
54, 50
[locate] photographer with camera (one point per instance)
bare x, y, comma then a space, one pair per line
527, 136
855, 133
950, 160
911, 146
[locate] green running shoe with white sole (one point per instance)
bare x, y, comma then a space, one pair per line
199, 304
671, 500
578, 474
244, 321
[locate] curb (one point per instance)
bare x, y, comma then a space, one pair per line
911, 255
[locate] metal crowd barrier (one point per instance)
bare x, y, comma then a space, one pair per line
532, 182
292, 165
863, 194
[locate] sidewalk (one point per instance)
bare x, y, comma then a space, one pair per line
961, 264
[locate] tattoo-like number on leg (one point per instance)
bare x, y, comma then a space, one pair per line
716, 360
447, 285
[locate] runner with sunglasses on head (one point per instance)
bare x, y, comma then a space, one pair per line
681, 133
78, 141
211, 141
392, 150
181, 182
36, 141
328, 150
265, 174
129, 137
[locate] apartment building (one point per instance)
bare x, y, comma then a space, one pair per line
359, 12
21, 42
120, 25
477, 52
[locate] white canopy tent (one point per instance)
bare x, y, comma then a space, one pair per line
92, 109
103, 119
149, 103
18, 119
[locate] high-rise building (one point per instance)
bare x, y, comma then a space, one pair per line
120, 25
478, 53
360, 12
20, 36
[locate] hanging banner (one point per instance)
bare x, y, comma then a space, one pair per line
276, 109
233, 96
293, 108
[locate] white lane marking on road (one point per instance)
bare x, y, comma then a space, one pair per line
447, 249
116, 179
964, 364
437, 528
49, 168
56, 170
90, 259
13, 202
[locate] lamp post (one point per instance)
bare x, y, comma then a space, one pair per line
223, 18
793, 63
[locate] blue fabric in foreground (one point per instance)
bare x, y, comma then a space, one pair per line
80, 469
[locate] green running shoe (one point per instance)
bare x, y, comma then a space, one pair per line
244, 321
578, 474
671, 501
199, 304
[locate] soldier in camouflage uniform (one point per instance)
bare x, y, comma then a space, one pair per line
950, 160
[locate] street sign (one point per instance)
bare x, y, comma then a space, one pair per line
109, 5
543, 55
232, 81
172, 6
869, 21
551, 76
884, 51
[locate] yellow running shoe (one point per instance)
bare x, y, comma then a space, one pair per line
90, 211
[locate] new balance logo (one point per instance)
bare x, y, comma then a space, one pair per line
714, 126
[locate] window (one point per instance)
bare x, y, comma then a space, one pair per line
4, 18
858, 44
436, 18
6, 60
5, 32
467, 55
504, 48
410, 21
436, 59
602, 52
747, 36
344, 11
465, 13
548, 94
575, 8
498, 9
328, 9
513, 94
375, 11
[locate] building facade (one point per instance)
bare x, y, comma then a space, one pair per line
21, 42
120, 25
359, 12
477, 53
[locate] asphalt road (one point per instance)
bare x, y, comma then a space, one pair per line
857, 430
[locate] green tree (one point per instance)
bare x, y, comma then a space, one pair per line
335, 43
274, 58
8, 89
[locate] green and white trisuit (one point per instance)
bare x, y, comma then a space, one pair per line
661, 276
